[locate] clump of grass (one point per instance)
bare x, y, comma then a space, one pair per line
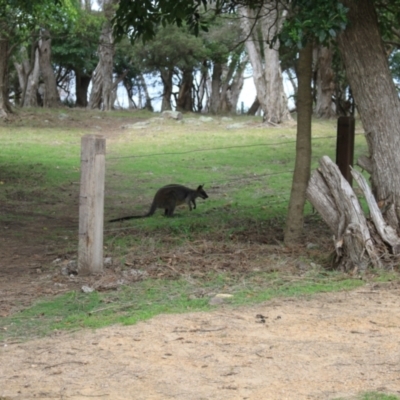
145, 299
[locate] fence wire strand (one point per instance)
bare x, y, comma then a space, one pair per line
215, 149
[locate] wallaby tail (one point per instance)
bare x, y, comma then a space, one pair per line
126, 218
149, 214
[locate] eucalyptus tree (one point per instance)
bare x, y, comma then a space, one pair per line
127, 71
75, 50
261, 26
173, 53
25, 29
101, 95
225, 63
15, 24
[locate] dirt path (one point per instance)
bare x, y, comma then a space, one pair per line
333, 345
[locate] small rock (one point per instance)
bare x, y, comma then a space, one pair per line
302, 266
136, 125
192, 121
206, 119
224, 296
87, 289
236, 126
108, 261
219, 299
216, 301
172, 115
72, 265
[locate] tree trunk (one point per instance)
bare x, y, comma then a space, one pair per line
202, 90
254, 107
264, 60
28, 77
335, 200
148, 106
129, 91
215, 100
102, 77
228, 71
184, 101
166, 77
294, 222
51, 97
82, 81
236, 86
5, 108
97, 88
324, 107
377, 101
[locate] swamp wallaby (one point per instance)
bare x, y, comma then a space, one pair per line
170, 196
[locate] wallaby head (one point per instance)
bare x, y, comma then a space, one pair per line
201, 192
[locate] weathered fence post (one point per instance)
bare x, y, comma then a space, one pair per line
91, 204
345, 146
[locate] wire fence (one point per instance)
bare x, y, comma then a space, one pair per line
140, 191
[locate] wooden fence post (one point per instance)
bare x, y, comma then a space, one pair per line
91, 204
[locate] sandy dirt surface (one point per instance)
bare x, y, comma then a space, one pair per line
332, 345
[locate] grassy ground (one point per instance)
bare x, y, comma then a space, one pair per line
232, 242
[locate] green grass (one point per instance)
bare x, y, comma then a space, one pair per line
247, 174
145, 299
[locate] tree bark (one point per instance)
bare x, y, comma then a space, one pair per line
102, 77
82, 81
5, 108
295, 217
264, 59
236, 86
325, 87
28, 76
184, 101
254, 107
148, 106
216, 77
334, 199
377, 101
166, 77
202, 90
51, 97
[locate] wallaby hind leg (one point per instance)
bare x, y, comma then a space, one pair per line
169, 212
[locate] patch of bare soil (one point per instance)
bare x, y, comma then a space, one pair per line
332, 345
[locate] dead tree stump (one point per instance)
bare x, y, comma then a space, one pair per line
359, 241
